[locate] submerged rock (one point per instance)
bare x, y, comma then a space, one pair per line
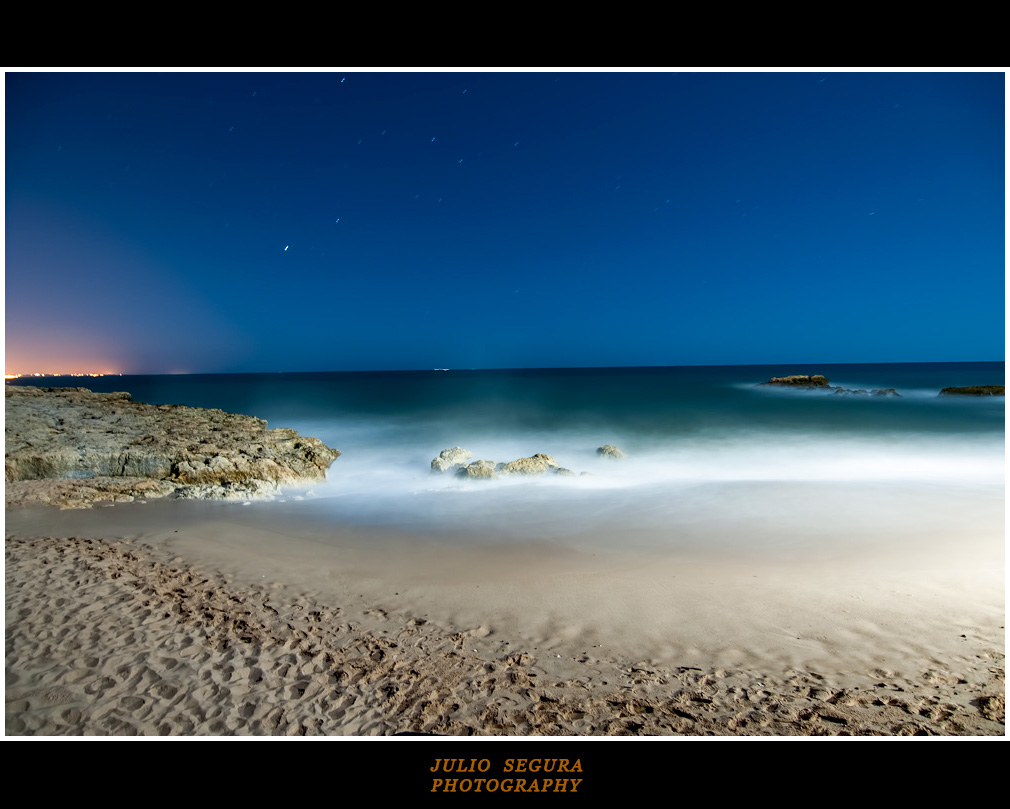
975, 390
449, 459
71, 447
861, 392
610, 451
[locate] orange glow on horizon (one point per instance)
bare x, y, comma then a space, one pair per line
55, 354
44, 374
17, 369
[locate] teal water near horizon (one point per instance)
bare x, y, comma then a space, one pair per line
702, 442
553, 396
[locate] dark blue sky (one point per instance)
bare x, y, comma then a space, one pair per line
291, 221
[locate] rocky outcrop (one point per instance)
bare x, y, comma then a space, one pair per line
71, 447
799, 381
975, 390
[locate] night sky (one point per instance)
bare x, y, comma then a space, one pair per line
236, 222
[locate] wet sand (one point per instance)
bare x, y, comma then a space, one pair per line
178, 618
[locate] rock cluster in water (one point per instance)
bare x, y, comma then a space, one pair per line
821, 382
71, 447
861, 392
453, 461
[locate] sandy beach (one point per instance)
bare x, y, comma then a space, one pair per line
174, 618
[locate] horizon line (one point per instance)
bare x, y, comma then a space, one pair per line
31, 375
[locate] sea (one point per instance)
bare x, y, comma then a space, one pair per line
713, 459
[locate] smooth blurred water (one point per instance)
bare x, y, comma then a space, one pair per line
704, 444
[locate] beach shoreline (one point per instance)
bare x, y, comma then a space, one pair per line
174, 619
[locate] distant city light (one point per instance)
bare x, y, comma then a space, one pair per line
61, 373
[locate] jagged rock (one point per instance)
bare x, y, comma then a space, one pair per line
71, 447
976, 390
538, 464
610, 451
992, 706
799, 381
450, 459
478, 469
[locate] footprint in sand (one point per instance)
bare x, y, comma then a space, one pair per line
99, 686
